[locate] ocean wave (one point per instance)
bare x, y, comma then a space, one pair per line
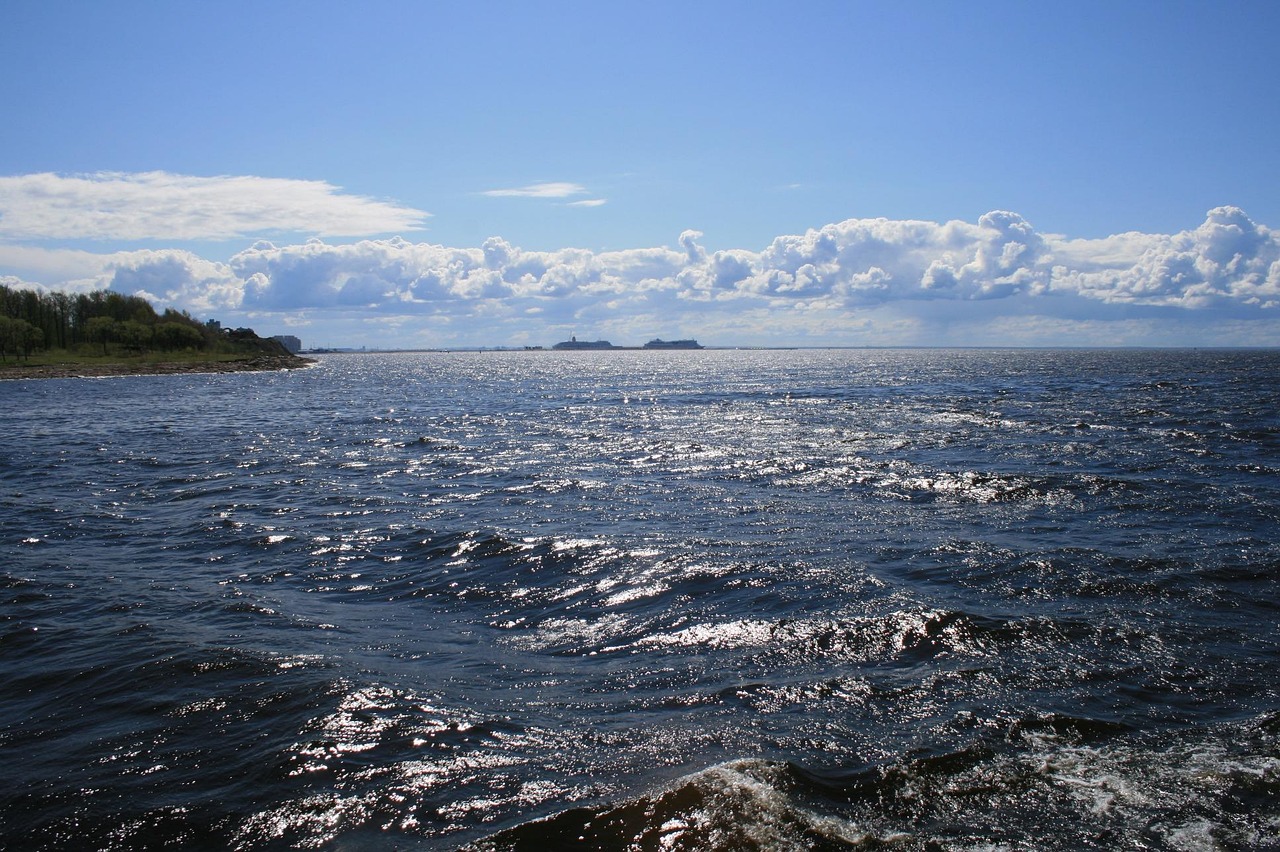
1058, 782
734, 806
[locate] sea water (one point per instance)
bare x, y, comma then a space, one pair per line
709, 600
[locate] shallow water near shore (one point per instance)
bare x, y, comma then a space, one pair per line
961, 599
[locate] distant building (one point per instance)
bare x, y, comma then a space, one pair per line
575, 343
288, 341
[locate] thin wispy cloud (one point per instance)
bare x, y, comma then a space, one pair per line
588, 202
555, 189
164, 206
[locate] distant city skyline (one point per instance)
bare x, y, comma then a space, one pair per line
406, 175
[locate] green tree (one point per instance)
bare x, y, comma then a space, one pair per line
32, 338
134, 334
19, 337
6, 333
56, 333
177, 335
101, 329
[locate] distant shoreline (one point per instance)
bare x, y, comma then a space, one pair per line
253, 364
797, 348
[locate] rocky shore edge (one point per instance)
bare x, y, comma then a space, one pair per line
252, 364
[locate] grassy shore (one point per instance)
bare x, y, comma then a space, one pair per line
62, 365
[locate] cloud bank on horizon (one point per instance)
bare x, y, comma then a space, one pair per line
860, 281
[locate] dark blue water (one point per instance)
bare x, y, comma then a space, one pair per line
646, 600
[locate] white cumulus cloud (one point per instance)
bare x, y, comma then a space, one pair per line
175, 277
996, 280
1228, 259
164, 206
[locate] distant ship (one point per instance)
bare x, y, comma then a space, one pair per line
575, 343
659, 343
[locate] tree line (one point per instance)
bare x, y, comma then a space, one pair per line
31, 321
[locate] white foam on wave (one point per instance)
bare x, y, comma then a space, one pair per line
741, 805
1165, 789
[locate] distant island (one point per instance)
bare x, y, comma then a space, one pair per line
573, 343
60, 335
659, 343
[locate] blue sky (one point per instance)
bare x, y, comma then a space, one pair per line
837, 173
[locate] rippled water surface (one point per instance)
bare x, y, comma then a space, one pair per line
653, 600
